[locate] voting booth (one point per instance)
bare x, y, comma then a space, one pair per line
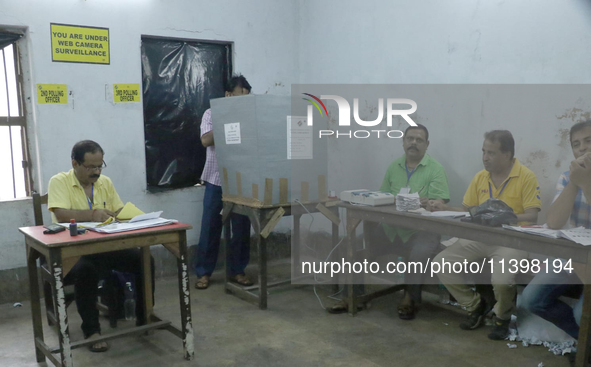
271, 164
266, 152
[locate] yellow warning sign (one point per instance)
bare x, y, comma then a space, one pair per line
72, 43
126, 93
52, 94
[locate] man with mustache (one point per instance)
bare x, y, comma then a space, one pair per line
417, 172
504, 178
83, 194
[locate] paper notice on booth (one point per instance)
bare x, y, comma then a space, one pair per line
299, 138
232, 133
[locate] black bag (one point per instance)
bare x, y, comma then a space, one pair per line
493, 213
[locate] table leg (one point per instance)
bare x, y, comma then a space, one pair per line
335, 235
256, 219
296, 246
32, 256
351, 239
585, 329
351, 227
185, 297
147, 275
262, 272
59, 299
335, 242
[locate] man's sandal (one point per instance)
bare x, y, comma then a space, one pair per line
407, 312
202, 283
98, 347
341, 307
241, 279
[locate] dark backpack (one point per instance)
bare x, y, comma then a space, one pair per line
493, 213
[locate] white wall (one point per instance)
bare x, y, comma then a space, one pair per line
452, 42
278, 43
264, 34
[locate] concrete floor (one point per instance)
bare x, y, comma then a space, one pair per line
294, 331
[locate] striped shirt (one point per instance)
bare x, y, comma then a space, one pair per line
581, 213
210, 170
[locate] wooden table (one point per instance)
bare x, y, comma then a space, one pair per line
560, 248
263, 220
62, 251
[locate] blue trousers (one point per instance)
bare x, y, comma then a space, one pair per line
541, 298
211, 233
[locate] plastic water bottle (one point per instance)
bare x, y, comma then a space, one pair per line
129, 304
443, 295
101, 289
399, 276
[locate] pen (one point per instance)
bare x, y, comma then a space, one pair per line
418, 192
105, 204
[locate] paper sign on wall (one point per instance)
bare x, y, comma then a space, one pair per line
299, 138
52, 93
123, 93
71, 43
232, 132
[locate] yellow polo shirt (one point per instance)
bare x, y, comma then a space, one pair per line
521, 189
66, 192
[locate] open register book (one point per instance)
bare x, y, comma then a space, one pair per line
129, 218
579, 235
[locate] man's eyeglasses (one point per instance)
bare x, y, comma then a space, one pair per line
95, 168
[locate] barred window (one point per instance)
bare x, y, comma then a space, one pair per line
14, 173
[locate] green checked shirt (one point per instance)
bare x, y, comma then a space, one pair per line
428, 179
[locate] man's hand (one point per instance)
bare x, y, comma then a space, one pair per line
101, 215
436, 205
424, 202
580, 170
584, 160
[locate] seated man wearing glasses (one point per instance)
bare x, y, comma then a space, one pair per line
83, 194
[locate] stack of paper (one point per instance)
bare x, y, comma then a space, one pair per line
406, 202
446, 213
129, 211
537, 230
128, 219
579, 235
130, 226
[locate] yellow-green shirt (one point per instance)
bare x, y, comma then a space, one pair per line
66, 192
521, 189
428, 179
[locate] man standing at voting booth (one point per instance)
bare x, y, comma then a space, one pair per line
211, 222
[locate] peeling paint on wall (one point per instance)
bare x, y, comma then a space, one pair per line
538, 162
564, 136
575, 115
